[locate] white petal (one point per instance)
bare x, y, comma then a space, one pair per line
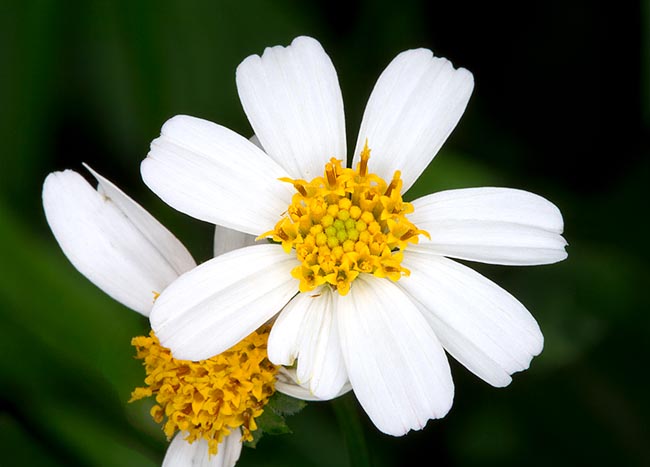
491, 225
226, 240
293, 101
480, 324
307, 329
214, 306
216, 175
287, 383
162, 239
413, 108
398, 369
230, 449
111, 240
180, 453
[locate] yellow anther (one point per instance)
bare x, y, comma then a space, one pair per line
396, 182
363, 164
330, 172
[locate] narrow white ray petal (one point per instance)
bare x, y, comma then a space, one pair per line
181, 453
397, 368
490, 225
169, 246
214, 306
480, 324
306, 329
226, 240
287, 383
413, 108
293, 101
111, 240
284, 338
230, 449
216, 175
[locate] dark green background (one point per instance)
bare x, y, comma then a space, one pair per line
560, 108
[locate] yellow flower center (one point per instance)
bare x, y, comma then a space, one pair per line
210, 398
345, 223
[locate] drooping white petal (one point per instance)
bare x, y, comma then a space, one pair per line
478, 323
307, 330
287, 383
216, 175
111, 240
398, 369
413, 108
293, 101
226, 240
180, 453
162, 239
490, 225
212, 307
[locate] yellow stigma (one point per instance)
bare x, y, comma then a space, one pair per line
211, 398
345, 223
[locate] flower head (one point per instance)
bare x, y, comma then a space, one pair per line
211, 398
364, 280
345, 223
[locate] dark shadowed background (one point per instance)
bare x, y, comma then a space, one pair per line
560, 108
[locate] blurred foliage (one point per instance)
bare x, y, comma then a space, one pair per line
93, 81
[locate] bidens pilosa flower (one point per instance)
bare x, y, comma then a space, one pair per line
363, 278
209, 407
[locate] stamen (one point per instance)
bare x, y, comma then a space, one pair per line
394, 183
300, 189
365, 156
330, 172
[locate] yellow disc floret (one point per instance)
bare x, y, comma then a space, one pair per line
345, 223
210, 398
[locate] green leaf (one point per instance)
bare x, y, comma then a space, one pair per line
272, 420
285, 405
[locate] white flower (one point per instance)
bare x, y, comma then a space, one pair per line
372, 299
128, 254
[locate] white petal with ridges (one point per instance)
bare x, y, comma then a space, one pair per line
397, 368
214, 306
111, 240
307, 330
293, 101
490, 225
480, 324
287, 383
230, 449
213, 174
180, 453
413, 108
162, 239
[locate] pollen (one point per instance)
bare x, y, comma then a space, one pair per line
210, 398
345, 223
